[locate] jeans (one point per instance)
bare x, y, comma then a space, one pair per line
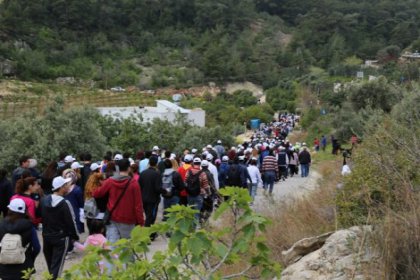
253, 190
116, 231
168, 203
197, 203
269, 176
304, 169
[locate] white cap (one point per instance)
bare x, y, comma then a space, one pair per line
209, 146
241, 157
188, 158
94, 166
225, 158
58, 182
173, 156
303, 144
76, 165
155, 148
193, 150
32, 163
204, 163
118, 157
197, 160
209, 157
17, 205
69, 159
219, 141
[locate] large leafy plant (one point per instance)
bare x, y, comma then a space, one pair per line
236, 250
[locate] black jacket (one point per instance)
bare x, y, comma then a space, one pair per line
24, 228
6, 192
58, 218
150, 185
304, 157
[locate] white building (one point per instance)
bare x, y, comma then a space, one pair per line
164, 110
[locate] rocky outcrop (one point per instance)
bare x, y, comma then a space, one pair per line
341, 257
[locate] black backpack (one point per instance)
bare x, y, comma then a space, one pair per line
234, 176
193, 183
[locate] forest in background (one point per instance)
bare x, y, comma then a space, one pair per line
187, 42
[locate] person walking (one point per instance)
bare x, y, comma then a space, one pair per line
323, 143
17, 222
255, 175
151, 189
304, 161
24, 189
198, 187
124, 202
59, 225
270, 171
172, 185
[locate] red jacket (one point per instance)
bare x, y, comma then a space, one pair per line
130, 208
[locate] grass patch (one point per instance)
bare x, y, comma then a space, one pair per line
305, 217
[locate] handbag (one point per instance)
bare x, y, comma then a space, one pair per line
108, 213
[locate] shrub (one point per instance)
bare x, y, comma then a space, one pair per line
191, 254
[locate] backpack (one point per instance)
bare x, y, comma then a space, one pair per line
234, 176
193, 183
168, 184
91, 208
12, 251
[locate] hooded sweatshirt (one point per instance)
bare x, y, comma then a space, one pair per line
58, 218
130, 208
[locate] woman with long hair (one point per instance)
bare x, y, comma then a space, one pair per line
25, 188
17, 222
48, 175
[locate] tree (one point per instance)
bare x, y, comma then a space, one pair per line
377, 94
44, 137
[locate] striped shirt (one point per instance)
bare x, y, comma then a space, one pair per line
270, 164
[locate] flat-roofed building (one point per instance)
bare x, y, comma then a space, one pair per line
164, 110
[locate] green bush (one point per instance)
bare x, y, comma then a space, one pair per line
191, 254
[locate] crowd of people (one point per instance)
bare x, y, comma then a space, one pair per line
113, 196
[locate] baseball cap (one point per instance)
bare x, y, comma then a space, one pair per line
209, 146
76, 165
94, 166
209, 157
118, 157
188, 158
204, 163
241, 157
69, 159
155, 148
225, 158
17, 205
197, 160
58, 182
219, 141
194, 150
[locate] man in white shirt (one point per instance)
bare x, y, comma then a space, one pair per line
255, 175
213, 170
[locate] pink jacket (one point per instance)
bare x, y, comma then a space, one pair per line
30, 206
97, 240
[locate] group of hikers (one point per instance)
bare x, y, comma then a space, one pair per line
115, 195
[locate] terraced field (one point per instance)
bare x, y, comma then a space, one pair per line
17, 97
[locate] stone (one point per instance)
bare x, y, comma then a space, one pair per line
341, 256
304, 247
7, 67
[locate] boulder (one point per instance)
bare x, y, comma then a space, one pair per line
341, 257
304, 247
7, 67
